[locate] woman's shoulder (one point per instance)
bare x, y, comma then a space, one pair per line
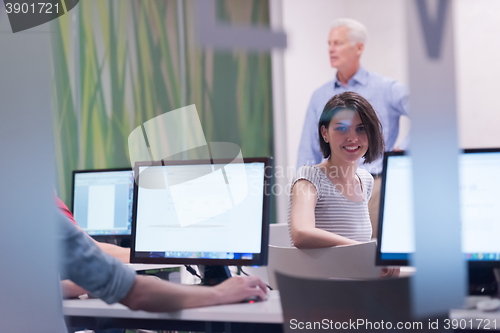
364, 175
307, 170
312, 173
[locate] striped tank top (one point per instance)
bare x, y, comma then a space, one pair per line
334, 212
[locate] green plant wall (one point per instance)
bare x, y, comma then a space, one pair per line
118, 63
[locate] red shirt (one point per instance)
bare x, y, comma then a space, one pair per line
62, 206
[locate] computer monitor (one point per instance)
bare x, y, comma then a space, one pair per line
201, 212
102, 202
479, 202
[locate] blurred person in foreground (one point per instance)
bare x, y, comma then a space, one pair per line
106, 277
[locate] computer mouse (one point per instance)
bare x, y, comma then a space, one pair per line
488, 305
252, 299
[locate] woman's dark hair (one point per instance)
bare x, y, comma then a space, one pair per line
353, 101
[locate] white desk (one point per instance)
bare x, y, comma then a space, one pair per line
257, 317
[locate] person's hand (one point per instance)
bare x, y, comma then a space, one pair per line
238, 288
70, 289
390, 272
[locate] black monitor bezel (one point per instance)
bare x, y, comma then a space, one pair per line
99, 238
378, 259
405, 262
258, 260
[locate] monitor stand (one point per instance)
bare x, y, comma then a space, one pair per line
484, 281
213, 275
496, 272
125, 242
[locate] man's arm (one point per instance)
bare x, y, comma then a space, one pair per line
118, 252
70, 289
154, 295
400, 105
400, 99
309, 151
84, 263
104, 276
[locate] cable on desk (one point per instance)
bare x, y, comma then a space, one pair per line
193, 271
240, 269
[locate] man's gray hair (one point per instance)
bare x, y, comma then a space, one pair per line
357, 32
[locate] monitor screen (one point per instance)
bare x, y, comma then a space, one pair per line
196, 212
479, 204
102, 201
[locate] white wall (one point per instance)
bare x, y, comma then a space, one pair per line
306, 64
477, 27
306, 61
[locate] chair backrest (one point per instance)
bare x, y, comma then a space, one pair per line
349, 261
359, 305
279, 235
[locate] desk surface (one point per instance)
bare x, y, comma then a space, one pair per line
268, 312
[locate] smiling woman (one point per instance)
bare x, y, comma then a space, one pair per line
353, 109
329, 201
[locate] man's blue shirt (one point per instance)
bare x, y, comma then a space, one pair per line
388, 97
84, 263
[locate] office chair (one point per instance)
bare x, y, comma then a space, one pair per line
333, 302
346, 261
279, 235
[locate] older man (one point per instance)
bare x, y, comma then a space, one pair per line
389, 99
